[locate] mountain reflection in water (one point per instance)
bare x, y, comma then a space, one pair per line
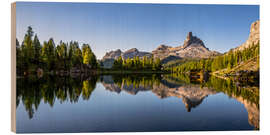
31, 91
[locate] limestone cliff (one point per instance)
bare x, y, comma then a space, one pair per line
254, 36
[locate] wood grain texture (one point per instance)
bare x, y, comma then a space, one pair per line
13, 67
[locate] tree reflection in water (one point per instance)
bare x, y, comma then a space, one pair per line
32, 90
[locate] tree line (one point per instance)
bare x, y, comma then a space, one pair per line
227, 61
136, 63
31, 55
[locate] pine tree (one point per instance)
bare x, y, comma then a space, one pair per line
37, 49
88, 57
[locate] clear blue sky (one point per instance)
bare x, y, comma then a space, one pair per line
108, 27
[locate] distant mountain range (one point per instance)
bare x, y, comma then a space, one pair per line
193, 47
109, 57
131, 53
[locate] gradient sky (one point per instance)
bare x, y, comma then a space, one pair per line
108, 26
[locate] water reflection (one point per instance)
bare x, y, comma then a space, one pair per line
31, 91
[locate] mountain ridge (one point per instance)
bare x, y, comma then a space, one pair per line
193, 47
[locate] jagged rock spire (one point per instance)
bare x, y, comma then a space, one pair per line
192, 40
189, 36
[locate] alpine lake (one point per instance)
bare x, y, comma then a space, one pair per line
134, 103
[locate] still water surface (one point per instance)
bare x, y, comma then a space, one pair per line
134, 103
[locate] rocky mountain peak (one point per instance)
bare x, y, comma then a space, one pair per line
163, 47
189, 36
109, 57
118, 50
113, 54
132, 50
193, 47
192, 40
254, 36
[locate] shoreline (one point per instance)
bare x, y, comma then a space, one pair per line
91, 72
